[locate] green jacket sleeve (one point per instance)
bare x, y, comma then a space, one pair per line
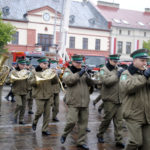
70, 78
108, 78
55, 80
91, 82
130, 84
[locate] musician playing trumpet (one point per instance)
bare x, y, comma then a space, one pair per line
42, 91
135, 91
18, 79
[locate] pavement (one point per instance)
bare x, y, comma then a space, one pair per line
22, 137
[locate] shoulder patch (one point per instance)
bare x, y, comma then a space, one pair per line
123, 77
101, 72
66, 74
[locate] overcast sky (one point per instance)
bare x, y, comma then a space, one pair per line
129, 4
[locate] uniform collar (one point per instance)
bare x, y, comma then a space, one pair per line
38, 69
74, 69
133, 70
17, 68
110, 67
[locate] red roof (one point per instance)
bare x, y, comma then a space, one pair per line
131, 17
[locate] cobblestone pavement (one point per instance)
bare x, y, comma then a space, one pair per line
22, 137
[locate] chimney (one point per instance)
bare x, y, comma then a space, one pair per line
108, 4
147, 10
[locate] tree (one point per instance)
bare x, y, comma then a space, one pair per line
6, 32
146, 44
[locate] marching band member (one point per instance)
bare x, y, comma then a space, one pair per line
135, 91
42, 91
56, 88
112, 103
77, 100
19, 89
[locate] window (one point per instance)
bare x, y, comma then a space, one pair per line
97, 44
125, 22
85, 43
120, 32
120, 46
140, 23
144, 34
117, 20
15, 40
72, 42
128, 47
45, 40
129, 32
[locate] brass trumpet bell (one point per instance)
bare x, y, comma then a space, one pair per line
3, 58
3, 68
19, 75
48, 74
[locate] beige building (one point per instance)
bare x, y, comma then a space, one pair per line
38, 25
128, 28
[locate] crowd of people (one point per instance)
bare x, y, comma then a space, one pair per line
125, 95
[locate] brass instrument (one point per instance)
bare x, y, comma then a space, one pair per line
48, 74
61, 85
4, 69
19, 75
145, 67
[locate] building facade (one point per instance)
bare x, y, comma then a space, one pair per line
38, 24
129, 29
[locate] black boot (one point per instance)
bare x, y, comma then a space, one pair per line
21, 122
120, 145
84, 146
46, 133
62, 139
34, 126
55, 119
30, 112
88, 130
100, 139
7, 98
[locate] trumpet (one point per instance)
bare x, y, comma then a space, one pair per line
145, 67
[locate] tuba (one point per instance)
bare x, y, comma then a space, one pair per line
19, 75
48, 74
4, 69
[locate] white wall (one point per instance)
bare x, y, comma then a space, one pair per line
92, 35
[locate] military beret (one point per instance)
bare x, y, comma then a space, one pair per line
42, 60
140, 53
77, 58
